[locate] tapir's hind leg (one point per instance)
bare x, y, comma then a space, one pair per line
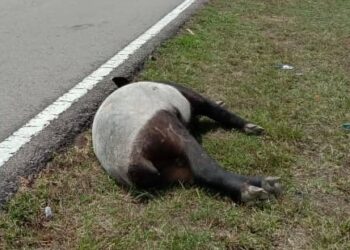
177, 156
216, 111
158, 157
207, 172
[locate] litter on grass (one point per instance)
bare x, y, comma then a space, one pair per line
48, 212
346, 126
285, 66
190, 31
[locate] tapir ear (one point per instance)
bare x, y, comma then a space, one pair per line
120, 81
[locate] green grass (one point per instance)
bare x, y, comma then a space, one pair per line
231, 56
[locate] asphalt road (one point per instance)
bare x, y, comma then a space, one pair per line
47, 46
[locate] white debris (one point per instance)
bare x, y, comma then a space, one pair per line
286, 66
48, 212
190, 31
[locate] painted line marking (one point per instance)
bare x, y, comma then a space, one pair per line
14, 142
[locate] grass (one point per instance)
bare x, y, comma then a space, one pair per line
230, 54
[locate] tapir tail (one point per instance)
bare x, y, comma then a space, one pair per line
121, 81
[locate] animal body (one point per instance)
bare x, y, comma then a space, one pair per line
141, 138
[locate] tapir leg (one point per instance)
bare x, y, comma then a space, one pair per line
177, 156
203, 106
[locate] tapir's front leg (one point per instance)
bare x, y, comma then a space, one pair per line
215, 110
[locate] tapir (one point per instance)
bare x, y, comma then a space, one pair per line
141, 137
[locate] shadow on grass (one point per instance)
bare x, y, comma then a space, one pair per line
200, 127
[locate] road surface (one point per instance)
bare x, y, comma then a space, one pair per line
48, 46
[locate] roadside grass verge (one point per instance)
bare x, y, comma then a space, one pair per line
229, 52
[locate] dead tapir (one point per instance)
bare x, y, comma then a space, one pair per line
140, 136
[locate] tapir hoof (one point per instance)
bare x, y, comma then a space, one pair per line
253, 129
252, 193
271, 184
220, 103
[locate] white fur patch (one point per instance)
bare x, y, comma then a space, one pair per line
121, 117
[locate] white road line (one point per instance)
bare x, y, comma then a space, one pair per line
13, 143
